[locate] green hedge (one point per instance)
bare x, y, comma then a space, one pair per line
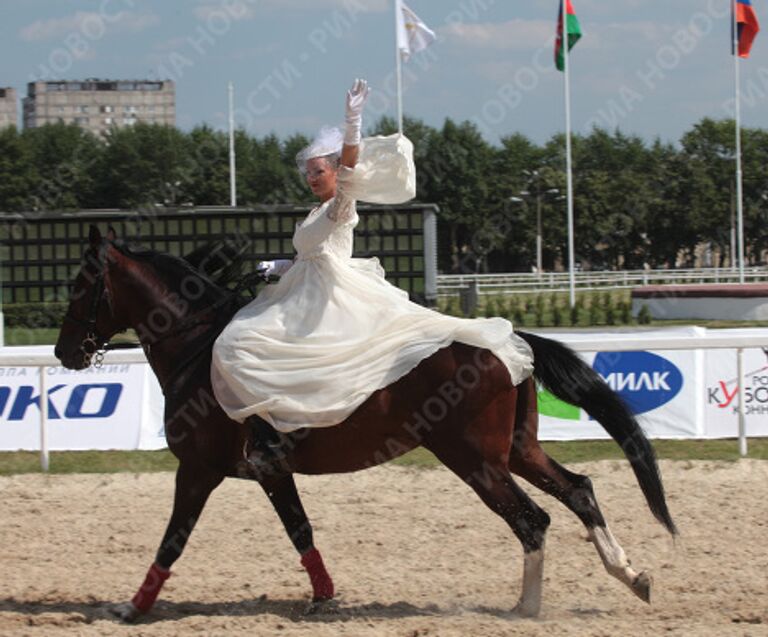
34, 314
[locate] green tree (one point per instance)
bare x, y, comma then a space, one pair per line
514, 165
457, 174
611, 200
17, 172
295, 187
755, 183
208, 171
708, 152
65, 156
263, 175
143, 164
554, 218
668, 224
454, 170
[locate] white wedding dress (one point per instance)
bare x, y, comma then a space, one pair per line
312, 347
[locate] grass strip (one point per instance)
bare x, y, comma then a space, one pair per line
16, 462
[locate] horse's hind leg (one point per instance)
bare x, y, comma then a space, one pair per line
576, 492
492, 481
528, 460
193, 486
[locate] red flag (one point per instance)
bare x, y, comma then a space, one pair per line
747, 26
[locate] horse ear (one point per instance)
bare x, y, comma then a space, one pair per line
94, 236
111, 234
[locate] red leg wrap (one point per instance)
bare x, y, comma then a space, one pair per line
145, 598
322, 584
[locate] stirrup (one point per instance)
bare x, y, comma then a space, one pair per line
267, 454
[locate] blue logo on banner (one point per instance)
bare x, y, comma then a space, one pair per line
644, 380
102, 401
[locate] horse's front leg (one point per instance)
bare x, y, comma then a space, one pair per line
284, 497
193, 486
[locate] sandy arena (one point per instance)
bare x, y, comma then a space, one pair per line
413, 553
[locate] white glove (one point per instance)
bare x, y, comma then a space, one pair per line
278, 267
356, 97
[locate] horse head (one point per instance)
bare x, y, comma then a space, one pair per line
90, 321
169, 301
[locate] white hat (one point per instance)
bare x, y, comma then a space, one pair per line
327, 143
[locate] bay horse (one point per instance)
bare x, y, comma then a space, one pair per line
459, 404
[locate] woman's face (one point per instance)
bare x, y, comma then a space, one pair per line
321, 177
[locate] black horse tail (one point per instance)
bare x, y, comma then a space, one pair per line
568, 377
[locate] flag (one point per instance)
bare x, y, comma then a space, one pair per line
573, 30
746, 27
412, 34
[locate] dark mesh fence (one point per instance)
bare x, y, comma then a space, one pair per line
41, 251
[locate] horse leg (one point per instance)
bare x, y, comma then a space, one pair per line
193, 486
285, 499
491, 480
528, 460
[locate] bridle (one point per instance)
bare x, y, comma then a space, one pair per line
93, 345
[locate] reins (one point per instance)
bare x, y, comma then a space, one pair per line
94, 346
194, 320
246, 282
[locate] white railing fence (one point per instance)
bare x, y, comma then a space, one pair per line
43, 362
619, 343
532, 282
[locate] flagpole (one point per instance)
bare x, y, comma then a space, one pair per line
739, 186
399, 70
568, 168
232, 176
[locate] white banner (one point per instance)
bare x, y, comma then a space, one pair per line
660, 387
721, 386
118, 406
674, 393
687, 393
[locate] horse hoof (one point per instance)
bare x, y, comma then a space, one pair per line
526, 610
642, 586
125, 612
322, 607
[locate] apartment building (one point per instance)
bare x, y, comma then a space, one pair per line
8, 108
98, 105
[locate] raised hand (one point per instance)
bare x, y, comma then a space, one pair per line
356, 97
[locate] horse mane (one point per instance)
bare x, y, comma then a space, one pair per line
171, 270
222, 261
218, 264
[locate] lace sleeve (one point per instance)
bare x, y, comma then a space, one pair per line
342, 209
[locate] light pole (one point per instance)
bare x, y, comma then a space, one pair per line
539, 241
171, 190
525, 203
733, 225
535, 179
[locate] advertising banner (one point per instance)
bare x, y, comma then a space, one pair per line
662, 388
114, 407
721, 387
686, 393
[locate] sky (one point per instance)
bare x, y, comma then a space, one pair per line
648, 67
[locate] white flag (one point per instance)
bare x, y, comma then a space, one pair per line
412, 34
